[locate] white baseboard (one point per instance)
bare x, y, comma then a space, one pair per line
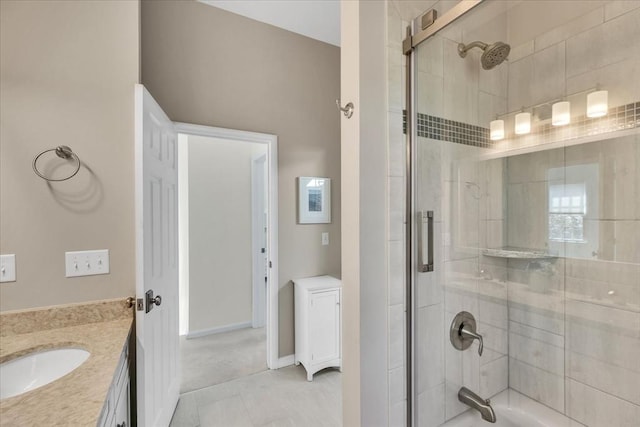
218, 330
285, 361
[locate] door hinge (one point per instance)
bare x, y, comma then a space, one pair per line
270, 264
262, 250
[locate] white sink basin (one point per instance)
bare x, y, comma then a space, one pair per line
34, 370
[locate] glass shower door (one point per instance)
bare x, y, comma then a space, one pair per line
455, 183
536, 230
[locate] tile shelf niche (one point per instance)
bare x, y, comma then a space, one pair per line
519, 253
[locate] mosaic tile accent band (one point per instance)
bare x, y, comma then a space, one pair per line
452, 131
449, 130
618, 118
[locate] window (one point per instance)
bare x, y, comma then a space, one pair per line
567, 209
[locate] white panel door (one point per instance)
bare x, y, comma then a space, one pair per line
324, 326
157, 345
259, 220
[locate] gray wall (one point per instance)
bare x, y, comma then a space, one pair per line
211, 67
67, 73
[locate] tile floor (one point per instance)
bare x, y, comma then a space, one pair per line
218, 358
274, 398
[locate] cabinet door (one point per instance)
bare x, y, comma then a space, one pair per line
324, 326
122, 407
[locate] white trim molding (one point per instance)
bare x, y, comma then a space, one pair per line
285, 361
218, 330
272, 233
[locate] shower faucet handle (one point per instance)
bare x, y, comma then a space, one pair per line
463, 332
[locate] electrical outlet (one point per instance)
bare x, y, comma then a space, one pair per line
7, 268
87, 263
325, 239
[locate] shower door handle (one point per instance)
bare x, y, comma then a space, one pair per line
422, 266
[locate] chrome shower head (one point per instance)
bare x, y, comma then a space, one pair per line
492, 55
495, 55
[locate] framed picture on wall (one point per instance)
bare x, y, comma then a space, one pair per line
314, 200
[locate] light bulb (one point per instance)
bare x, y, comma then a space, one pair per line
597, 103
496, 130
523, 123
561, 113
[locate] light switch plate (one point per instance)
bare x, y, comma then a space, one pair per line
325, 239
7, 268
87, 263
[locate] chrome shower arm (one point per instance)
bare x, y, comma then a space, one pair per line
462, 48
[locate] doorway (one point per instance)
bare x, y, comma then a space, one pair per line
228, 252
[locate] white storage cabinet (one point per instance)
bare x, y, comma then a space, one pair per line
318, 323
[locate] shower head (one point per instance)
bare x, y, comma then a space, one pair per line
492, 55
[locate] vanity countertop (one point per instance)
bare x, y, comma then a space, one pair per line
102, 328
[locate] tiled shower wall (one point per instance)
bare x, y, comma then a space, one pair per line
551, 327
396, 194
574, 331
574, 321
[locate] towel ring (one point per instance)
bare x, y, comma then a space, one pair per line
62, 151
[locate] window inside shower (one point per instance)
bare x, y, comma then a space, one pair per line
574, 205
567, 209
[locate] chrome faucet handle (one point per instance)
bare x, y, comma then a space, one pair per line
465, 333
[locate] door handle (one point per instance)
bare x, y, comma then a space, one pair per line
422, 266
151, 301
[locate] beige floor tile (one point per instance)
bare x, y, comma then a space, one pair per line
272, 398
215, 359
229, 412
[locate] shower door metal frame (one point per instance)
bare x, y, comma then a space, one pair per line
408, 46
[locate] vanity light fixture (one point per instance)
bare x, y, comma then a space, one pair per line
496, 130
597, 103
523, 123
561, 113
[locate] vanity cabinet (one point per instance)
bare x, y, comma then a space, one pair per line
115, 412
318, 323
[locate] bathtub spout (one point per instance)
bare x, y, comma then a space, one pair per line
483, 406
